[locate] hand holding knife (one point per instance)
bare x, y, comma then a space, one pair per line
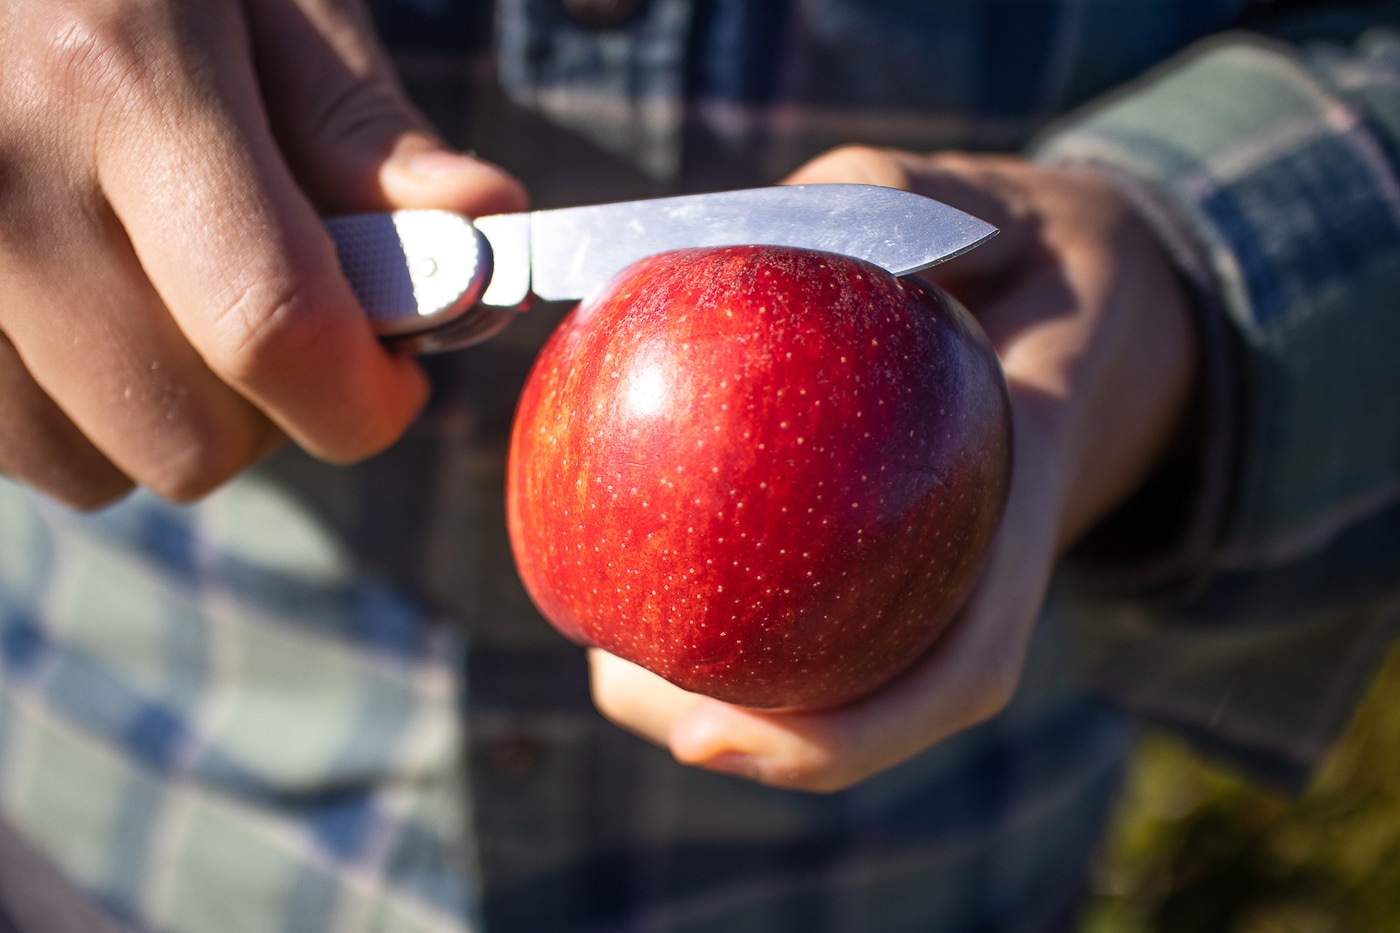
435, 281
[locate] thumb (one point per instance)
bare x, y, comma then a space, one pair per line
347, 128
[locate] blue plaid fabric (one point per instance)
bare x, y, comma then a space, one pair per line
319, 700
1282, 200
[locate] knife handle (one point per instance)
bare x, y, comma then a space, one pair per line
420, 276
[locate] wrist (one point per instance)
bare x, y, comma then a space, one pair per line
1129, 402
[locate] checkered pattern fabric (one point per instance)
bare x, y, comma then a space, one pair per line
320, 701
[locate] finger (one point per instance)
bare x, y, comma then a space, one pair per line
968, 677
235, 250
635, 698
353, 139
41, 447
964, 680
76, 305
855, 165
96, 340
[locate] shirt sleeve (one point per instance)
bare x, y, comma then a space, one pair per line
1269, 171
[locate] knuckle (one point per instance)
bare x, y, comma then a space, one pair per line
84, 483
818, 769
288, 343
996, 687
93, 50
360, 110
98, 494
826, 781
265, 327
866, 163
853, 153
194, 449
823, 780
205, 457
122, 62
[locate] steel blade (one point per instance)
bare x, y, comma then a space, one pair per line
574, 250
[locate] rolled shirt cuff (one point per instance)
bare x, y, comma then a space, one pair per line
1269, 174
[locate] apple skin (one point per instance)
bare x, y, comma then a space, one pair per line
769, 475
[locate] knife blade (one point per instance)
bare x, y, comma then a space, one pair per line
434, 280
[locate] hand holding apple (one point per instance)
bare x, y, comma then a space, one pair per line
769, 475
1096, 340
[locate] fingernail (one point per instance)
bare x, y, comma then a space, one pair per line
436, 164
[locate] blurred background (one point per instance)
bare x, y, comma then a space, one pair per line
1196, 849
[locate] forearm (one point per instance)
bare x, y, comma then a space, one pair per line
1244, 598
1272, 175
1125, 395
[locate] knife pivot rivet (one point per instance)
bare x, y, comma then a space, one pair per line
425, 268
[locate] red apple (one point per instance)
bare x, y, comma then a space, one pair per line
769, 475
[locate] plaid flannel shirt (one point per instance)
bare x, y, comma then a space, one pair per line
319, 700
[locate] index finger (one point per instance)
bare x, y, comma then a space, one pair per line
238, 255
